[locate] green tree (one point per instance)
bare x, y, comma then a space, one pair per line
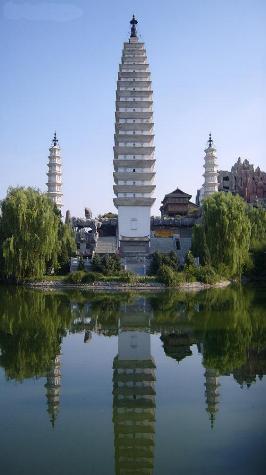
227, 230
67, 247
32, 236
199, 246
257, 218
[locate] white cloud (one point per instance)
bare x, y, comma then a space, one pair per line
41, 11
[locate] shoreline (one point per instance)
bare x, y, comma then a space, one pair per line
119, 287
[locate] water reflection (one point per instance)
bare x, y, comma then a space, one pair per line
134, 392
226, 328
53, 386
212, 395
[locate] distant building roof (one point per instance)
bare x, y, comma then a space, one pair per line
177, 193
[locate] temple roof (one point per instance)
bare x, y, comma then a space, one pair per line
177, 193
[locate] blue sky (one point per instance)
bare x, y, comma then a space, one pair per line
59, 63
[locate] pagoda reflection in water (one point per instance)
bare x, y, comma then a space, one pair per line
212, 395
134, 394
53, 386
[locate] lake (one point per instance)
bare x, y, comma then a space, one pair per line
128, 383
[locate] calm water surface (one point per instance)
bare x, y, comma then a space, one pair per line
171, 383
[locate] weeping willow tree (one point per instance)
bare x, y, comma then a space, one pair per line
225, 232
257, 217
31, 234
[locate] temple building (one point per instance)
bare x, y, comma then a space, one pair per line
134, 395
54, 183
134, 149
177, 203
53, 386
245, 181
210, 184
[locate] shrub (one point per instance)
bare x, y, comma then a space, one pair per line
128, 277
167, 276
89, 277
158, 260
190, 268
75, 277
96, 264
206, 274
107, 264
180, 277
111, 264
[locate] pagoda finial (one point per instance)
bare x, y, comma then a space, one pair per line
210, 141
55, 140
133, 22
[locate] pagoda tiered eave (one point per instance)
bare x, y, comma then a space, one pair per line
133, 115
133, 176
135, 126
138, 163
133, 188
130, 201
130, 150
130, 84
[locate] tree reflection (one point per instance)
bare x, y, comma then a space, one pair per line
32, 325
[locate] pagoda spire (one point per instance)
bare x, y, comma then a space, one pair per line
210, 141
55, 140
133, 24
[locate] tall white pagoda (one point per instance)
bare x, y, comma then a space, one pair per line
211, 170
54, 183
134, 149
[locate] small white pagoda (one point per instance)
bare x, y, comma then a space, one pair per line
211, 170
54, 183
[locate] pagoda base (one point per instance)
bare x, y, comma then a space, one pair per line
134, 247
